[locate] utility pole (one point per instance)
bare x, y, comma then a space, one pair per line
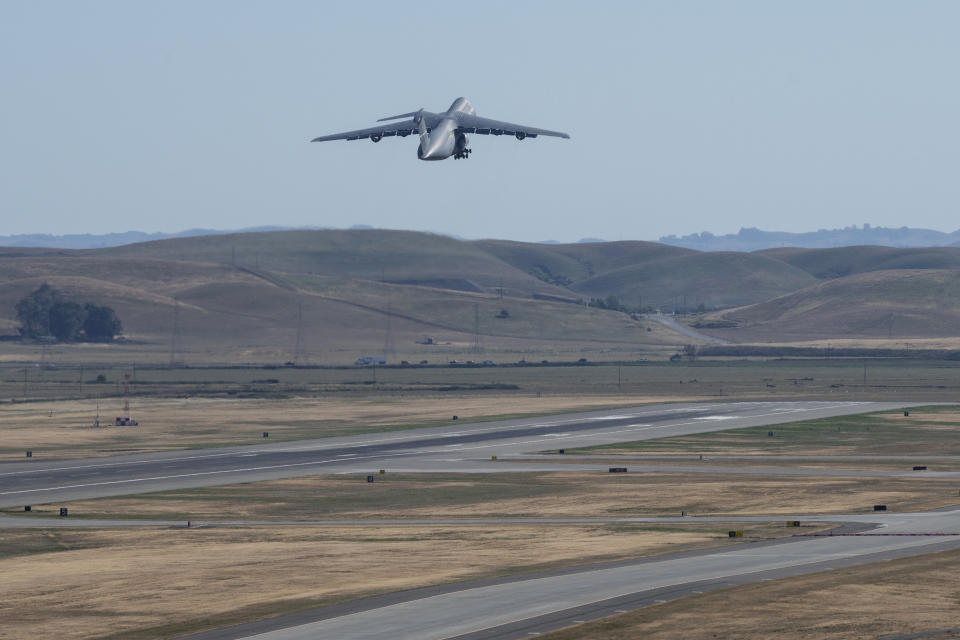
175, 335
389, 349
477, 344
300, 353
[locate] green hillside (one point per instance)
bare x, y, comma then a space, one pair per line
845, 261
568, 264
717, 280
915, 303
406, 257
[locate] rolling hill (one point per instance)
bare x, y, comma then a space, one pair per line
846, 261
402, 257
717, 280
901, 303
353, 292
185, 296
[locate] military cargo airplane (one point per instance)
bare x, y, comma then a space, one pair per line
443, 134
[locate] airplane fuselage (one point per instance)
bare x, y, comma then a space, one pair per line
443, 141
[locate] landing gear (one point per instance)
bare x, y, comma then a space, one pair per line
462, 154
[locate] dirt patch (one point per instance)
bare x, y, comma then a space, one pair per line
873, 601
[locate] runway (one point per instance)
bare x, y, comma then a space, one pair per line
515, 607
454, 448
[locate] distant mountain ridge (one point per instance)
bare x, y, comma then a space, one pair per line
106, 240
747, 239
753, 239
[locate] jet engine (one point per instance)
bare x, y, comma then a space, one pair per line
376, 138
521, 135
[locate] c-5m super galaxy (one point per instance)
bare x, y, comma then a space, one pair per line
443, 134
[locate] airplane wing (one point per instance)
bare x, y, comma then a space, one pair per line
486, 126
401, 128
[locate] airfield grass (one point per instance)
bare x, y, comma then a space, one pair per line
927, 431
160, 583
912, 595
649, 463
403, 496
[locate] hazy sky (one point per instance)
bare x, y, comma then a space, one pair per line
684, 116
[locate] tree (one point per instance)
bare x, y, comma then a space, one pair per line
101, 323
33, 311
66, 320
45, 313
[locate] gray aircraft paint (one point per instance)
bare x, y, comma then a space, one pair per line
442, 134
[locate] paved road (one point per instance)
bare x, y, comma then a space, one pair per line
454, 448
670, 323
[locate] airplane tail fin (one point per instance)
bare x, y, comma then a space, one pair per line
422, 126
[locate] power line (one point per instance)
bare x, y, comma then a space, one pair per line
175, 346
477, 342
300, 353
389, 349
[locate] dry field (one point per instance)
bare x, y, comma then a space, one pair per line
63, 429
403, 496
912, 595
609, 373
839, 463
876, 343
165, 582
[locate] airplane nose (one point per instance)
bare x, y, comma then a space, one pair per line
433, 150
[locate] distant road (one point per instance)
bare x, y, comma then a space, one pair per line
670, 323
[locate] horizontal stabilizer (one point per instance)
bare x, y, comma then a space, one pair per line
402, 115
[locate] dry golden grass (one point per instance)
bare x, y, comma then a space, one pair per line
873, 601
122, 582
412, 496
876, 343
63, 429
